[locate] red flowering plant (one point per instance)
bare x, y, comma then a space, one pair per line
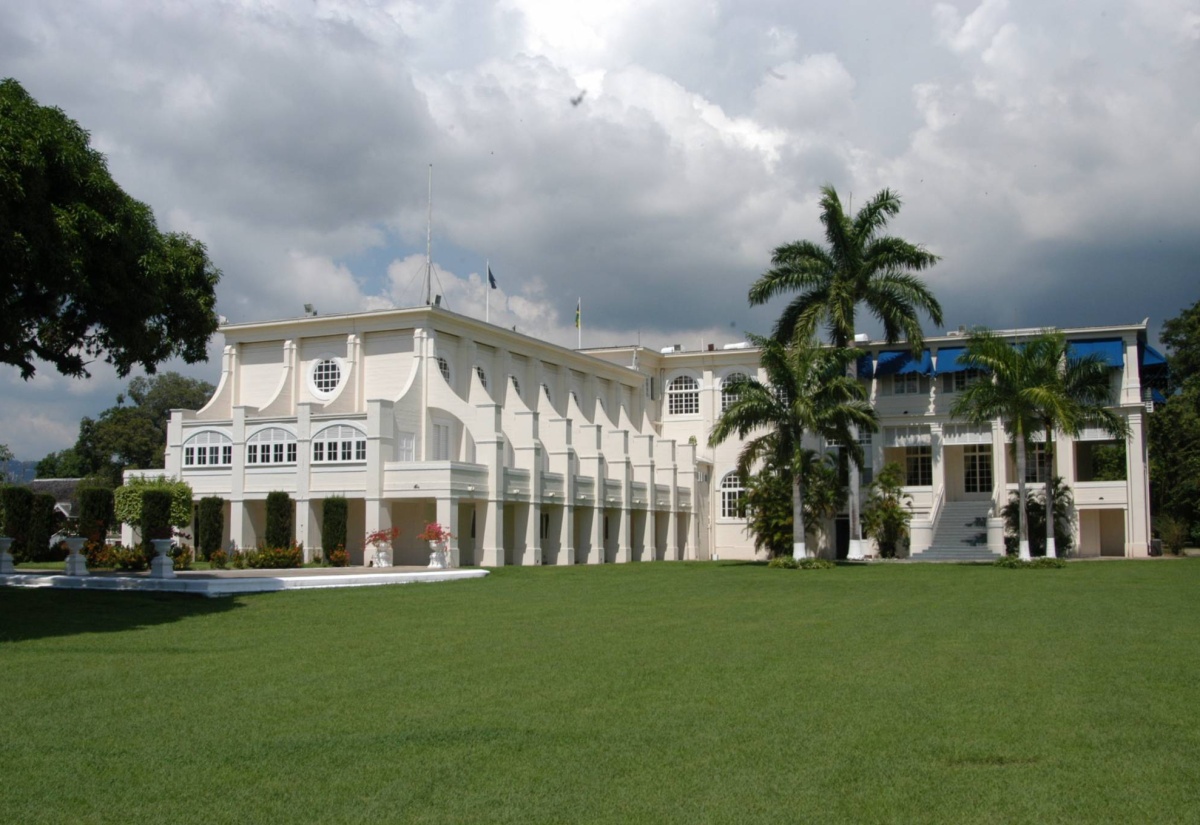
436, 533
381, 537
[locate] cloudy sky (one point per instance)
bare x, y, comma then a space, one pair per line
1048, 151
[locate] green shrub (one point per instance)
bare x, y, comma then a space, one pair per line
276, 558
182, 556
1015, 563
156, 514
218, 559
98, 555
127, 500
95, 512
279, 519
16, 503
131, 558
333, 525
812, 563
785, 562
1035, 511
339, 558
1173, 532
237, 559
41, 528
210, 525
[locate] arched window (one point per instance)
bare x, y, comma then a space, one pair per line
482, 375
727, 397
683, 396
339, 443
731, 496
444, 368
208, 449
273, 445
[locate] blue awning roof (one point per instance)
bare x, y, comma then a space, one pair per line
948, 360
901, 362
1110, 350
1157, 397
866, 367
1152, 357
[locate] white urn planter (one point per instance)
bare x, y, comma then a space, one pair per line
162, 566
6, 559
439, 558
76, 561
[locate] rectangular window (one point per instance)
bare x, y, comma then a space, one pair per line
291, 452
918, 463
251, 453
958, 381
318, 451
910, 384
406, 445
441, 442
360, 450
545, 532
347, 446
867, 472
1037, 464
226, 453
277, 453
977, 468
189, 456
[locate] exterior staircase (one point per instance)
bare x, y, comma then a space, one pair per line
961, 534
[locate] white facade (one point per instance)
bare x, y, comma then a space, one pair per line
536, 454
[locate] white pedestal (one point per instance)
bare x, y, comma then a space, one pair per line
76, 561
162, 566
438, 560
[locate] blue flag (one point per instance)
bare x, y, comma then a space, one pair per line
491, 277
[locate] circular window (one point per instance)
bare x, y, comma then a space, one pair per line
326, 376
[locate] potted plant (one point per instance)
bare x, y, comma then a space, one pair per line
381, 540
439, 541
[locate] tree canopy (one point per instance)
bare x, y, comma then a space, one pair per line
859, 265
85, 273
134, 431
1174, 429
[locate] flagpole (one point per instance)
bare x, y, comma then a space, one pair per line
579, 323
429, 244
487, 292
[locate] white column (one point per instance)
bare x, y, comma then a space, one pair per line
447, 516
566, 535
1137, 508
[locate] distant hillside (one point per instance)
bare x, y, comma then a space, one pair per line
18, 472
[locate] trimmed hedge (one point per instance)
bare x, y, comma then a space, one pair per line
156, 515
279, 519
41, 528
16, 503
127, 499
333, 525
95, 512
210, 525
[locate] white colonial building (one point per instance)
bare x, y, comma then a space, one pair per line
536, 454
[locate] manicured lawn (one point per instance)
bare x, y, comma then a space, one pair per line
640, 693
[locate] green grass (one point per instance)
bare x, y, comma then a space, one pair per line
637, 693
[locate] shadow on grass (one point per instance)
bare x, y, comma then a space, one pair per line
38, 613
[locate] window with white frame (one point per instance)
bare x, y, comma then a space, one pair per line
273, 445
683, 396
441, 442
1037, 464
482, 375
444, 368
727, 395
732, 492
208, 449
326, 375
959, 381
910, 383
867, 471
918, 465
406, 447
339, 443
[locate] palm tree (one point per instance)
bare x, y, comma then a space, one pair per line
1027, 392
807, 392
859, 266
1078, 397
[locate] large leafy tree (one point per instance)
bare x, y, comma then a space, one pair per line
807, 392
859, 264
768, 500
1174, 429
84, 272
133, 433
